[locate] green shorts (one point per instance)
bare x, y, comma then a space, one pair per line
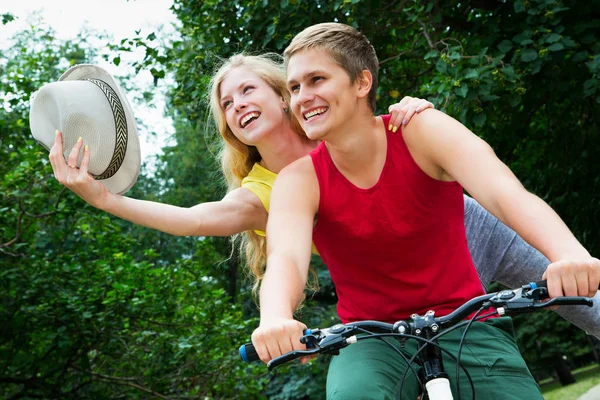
371, 369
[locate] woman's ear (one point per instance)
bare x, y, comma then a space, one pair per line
285, 105
364, 83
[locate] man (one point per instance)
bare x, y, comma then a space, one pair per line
386, 214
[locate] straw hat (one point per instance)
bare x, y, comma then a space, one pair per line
87, 102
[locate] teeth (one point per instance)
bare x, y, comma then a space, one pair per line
315, 112
248, 118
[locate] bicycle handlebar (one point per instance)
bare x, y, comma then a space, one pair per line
528, 298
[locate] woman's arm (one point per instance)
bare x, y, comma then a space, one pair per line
238, 211
501, 255
401, 113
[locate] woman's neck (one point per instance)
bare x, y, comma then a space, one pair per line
283, 148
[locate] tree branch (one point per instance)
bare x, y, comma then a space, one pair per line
429, 41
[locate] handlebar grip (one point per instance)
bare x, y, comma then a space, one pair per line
248, 352
539, 284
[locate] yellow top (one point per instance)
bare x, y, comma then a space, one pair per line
260, 182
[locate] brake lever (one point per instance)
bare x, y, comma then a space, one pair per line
521, 300
325, 341
285, 358
566, 301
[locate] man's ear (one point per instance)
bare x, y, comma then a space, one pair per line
364, 83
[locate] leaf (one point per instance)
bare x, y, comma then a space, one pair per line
505, 46
526, 34
536, 66
462, 91
556, 47
117, 61
441, 66
454, 56
519, 6
568, 43
431, 54
528, 55
6, 18
580, 56
514, 100
479, 119
553, 38
471, 73
490, 97
509, 73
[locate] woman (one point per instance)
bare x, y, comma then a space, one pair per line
249, 102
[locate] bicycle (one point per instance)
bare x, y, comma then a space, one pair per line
434, 381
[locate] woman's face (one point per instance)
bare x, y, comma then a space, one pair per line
252, 108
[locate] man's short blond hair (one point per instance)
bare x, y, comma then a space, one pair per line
349, 48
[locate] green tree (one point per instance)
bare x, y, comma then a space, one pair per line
90, 309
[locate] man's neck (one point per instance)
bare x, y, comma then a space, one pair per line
359, 149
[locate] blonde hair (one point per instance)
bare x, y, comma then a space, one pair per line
237, 158
349, 48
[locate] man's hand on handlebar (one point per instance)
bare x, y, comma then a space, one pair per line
275, 337
573, 277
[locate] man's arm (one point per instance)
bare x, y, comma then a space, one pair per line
446, 150
501, 255
294, 204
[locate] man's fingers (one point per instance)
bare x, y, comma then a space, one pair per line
594, 278
570, 285
306, 359
552, 276
263, 352
261, 347
573, 278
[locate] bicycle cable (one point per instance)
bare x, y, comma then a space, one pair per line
421, 385
412, 360
444, 332
460, 345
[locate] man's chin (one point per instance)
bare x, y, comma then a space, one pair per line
314, 133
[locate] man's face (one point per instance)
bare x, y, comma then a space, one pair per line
322, 96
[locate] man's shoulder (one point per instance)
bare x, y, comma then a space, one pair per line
299, 168
297, 184
426, 119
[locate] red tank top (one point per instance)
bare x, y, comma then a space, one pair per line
396, 248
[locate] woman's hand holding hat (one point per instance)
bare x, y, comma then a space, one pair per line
76, 178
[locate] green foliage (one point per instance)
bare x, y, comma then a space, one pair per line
94, 307
90, 309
